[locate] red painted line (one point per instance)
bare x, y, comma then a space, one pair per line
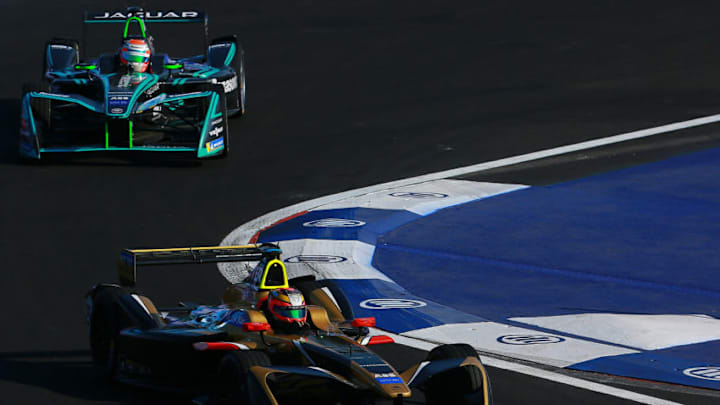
256, 236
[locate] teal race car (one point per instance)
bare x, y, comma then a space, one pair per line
135, 98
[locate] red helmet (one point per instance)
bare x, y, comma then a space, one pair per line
287, 305
135, 53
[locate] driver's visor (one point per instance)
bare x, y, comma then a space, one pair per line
291, 312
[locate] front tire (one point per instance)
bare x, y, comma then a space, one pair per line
451, 351
240, 93
454, 386
235, 375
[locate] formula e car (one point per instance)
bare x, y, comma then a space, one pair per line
236, 352
98, 103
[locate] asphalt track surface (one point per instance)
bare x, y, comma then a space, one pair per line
341, 95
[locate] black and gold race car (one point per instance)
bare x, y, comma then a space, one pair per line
237, 352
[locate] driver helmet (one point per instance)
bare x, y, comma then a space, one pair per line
287, 305
135, 53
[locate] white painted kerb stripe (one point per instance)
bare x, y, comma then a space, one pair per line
576, 382
537, 372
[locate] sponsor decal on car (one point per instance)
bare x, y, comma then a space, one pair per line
216, 131
230, 84
130, 80
118, 100
217, 121
522, 340
315, 259
152, 90
55, 46
215, 145
118, 15
711, 373
333, 223
117, 104
391, 303
388, 378
417, 196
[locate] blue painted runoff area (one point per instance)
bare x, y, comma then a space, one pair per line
642, 240
366, 297
639, 240
668, 365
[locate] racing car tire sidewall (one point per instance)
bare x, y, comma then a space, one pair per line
234, 374
451, 351
241, 88
113, 310
452, 386
239, 66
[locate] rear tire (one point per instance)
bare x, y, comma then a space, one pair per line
112, 311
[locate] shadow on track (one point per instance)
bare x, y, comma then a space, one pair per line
9, 116
71, 373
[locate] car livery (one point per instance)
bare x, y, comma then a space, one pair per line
178, 105
231, 353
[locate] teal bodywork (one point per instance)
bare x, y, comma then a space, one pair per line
172, 101
131, 87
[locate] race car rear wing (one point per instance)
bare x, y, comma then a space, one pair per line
120, 16
130, 259
136, 18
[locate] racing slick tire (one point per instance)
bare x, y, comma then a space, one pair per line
238, 98
451, 351
237, 385
240, 69
239, 66
457, 385
112, 309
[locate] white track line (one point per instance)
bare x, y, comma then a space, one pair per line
576, 382
245, 231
